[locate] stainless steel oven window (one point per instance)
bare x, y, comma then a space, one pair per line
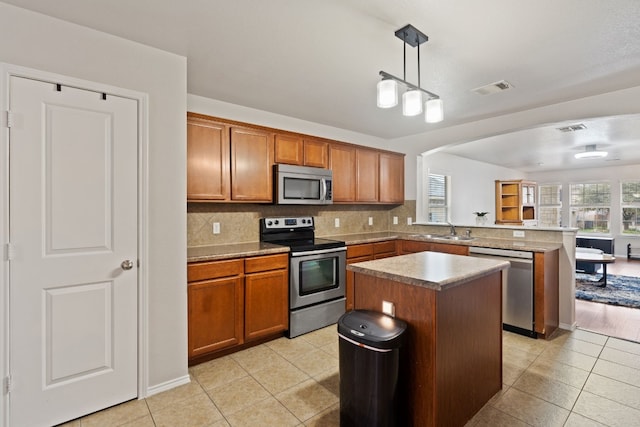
337, 260
318, 275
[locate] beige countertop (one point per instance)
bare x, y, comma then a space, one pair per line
238, 250
485, 242
432, 270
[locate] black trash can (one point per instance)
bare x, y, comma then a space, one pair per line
370, 380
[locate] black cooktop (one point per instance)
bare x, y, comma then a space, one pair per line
298, 233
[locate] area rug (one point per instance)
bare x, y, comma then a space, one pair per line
620, 290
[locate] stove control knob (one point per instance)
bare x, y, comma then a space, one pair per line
269, 223
277, 222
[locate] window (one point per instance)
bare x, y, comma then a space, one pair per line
438, 198
550, 205
630, 201
591, 207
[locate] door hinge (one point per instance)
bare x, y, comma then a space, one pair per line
9, 119
11, 251
8, 384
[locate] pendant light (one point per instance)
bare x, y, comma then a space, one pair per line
412, 98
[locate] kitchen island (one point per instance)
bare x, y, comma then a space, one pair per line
453, 307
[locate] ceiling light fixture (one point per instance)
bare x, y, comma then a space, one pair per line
590, 152
412, 98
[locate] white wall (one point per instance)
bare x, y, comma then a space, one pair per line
472, 185
225, 110
614, 176
614, 103
36, 41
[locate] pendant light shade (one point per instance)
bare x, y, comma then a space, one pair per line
434, 111
387, 93
412, 103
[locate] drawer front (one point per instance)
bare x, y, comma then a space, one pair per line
450, 249
356, 251
411, 246
266, 263
214, 269
359, 259
384, 247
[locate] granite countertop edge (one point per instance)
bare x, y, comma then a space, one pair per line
248, 249
523, 245
236, 250
369, 268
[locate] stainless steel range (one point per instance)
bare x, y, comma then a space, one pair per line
317, 272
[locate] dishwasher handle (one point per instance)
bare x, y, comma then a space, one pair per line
504, 253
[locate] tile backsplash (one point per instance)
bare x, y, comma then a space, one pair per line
239, 222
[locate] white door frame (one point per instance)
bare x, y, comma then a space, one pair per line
6, 71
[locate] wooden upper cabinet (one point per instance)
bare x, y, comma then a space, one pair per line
342, 161
366, 175
229, 161
316, 153
391, 178
251, 165
288, 149
207, 159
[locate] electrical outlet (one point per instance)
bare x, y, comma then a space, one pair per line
518, 233
395, 220
388, 308
337, 222
216, 228
409, 221
370, 220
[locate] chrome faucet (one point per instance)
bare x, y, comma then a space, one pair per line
453, 229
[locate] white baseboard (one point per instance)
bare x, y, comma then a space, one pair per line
168, 385
568, 327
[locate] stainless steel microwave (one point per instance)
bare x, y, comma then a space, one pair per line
303, 185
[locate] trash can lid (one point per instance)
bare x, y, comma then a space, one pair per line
372, 328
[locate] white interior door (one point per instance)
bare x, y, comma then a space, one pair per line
73, 227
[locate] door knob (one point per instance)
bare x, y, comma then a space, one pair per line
127, 264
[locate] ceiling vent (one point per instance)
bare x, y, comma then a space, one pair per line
494, 87
572, 128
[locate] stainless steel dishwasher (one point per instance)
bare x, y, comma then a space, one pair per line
517, 288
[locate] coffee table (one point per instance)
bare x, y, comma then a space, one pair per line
594, 258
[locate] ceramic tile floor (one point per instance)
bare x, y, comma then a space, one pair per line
576, 379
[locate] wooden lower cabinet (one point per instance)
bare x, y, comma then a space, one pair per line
366, 252
215, 306
450, 249
385, 249
546, 292
452, 358
266, 297
232, 302
413, 246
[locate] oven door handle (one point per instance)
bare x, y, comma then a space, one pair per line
319, 251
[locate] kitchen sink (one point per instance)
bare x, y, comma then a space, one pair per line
443, 237
430, 236
449, 237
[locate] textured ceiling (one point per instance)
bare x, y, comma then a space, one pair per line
319, 60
